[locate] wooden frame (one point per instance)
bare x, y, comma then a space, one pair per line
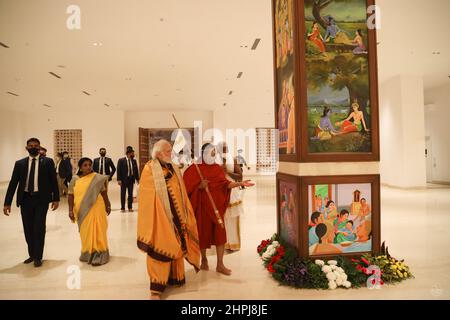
374, 180
145, 145
281, 177
373, 89
297, 88
302, 142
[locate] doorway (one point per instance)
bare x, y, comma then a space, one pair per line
429, 158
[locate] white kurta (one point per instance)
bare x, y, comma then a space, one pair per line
232, 215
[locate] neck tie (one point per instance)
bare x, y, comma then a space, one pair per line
31, 177
101, 165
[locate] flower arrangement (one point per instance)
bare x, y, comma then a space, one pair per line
286, 267
392, 269
336, 275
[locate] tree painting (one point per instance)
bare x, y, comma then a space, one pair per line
337, 70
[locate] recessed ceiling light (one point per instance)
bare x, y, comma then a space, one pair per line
86, 93
55, 75
61, 66
107, 105
97, 44
46, 105
224, 104
161, 19
12, 93
230, 93
255, 44
239, 75
3, 45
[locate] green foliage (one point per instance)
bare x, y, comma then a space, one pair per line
316, 277
293, 271
356, 277
392, 269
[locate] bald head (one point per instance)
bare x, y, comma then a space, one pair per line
162, 150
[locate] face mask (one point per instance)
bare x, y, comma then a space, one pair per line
33, 151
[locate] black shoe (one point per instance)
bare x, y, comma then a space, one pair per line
37, 263
29, 260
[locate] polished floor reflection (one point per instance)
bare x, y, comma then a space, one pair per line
415, 224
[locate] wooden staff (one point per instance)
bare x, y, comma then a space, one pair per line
216, 212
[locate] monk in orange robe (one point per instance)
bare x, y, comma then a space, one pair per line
211, 231
167, 230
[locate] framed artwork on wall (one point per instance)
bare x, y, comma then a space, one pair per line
287, 89
339, 215
339, 84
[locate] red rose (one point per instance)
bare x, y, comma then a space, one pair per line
275, 259
270, 268
354, 260
365, 261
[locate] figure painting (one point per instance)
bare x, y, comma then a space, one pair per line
288, 226
337, 75
340, 219
285, 80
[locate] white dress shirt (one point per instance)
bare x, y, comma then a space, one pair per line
130, 167
36, 173
102, 169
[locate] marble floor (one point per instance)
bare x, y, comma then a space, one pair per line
415, 224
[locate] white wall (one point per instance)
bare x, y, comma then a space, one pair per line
12, 141
245, 115
99, 129
437, 127
402, 132
161, 119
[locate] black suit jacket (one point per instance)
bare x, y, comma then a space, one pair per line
65, 169
109, 168
122, 169
48, 186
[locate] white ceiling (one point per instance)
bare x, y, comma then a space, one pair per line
411, 30
180, 54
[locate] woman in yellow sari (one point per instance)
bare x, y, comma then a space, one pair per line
88, 206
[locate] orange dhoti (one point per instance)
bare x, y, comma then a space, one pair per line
167, 230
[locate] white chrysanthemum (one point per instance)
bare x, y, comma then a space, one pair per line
326, 269
340, 270
331, 276
347, 284
344, 277
339, 281
275, 244
332, 285
332, 263
319, 263
333, 267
